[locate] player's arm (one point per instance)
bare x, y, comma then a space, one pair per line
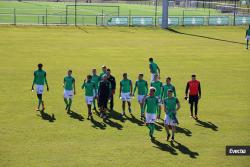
199, 87
146, 88
135, 88
120, 89
174, 90
186, 92
74, 86
33, 83
114, 86
110, 89
165, 108
162, 92
145, 104
159, 71
46, 82
178, 105
150, 68
131, 87
83, 85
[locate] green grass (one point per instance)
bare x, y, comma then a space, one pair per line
28, 140
32, 12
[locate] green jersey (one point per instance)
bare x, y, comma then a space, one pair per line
170, 103
125, 85
165, 89
89, 88
248, 32
153, 66
103, 73
40, 77
68, 82
142, 87
158, 86
96, 79
151, 103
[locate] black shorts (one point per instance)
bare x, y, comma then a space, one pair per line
193, 99
103, 102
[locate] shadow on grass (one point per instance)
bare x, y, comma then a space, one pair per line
116, 115
75, 115
183, 130
164, 147
185, 150
206, 37
46, 116
96, 124
208, 124
134, 120
113, 124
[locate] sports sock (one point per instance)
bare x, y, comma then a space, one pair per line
66, 101
39, 103
152, 128
70, 102
94, 103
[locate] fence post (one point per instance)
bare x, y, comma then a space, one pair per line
46, 17
14, 16
183, 17
234, 10
96, 20
129, 18
156, 12
102, 17
118, 11
66, 12
208, 17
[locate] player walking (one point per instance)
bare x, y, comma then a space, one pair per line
142, 86
166, 87
171, 106
90, 93
39, 80
151, 104
69, 90
126, 88
96, 79
158, 87
154, 69
193, 88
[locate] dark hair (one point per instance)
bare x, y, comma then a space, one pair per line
169, 78
124, 74
193, 75
141, 74
70, 70
150, 59
108, 69
89, 76
40, 65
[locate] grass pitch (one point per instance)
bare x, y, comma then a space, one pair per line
216, 54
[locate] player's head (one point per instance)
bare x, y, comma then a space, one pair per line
89, 77
94, 71
168, 80
140, 76
151, 59
156, 77
193, 77
40, 66
108, 72
125, 76
151, 91
104, 68
104, 77
69, 72
170, 92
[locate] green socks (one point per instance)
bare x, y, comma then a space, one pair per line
70, 102
151, 128
66, 101
39, 103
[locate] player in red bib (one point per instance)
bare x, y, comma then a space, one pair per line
193, 89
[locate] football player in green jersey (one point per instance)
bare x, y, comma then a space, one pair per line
104, 71
39, 80
90, 93
126, 88
166, 87
151, 105
158, 87
69, 90
154, 69
142, 86
96, 79
171, 106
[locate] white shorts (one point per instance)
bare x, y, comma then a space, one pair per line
141, 98
152, 77
159, 101
68, 94
39, 89
248, 38
168, 121
89, 99
150, 118
125, 96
